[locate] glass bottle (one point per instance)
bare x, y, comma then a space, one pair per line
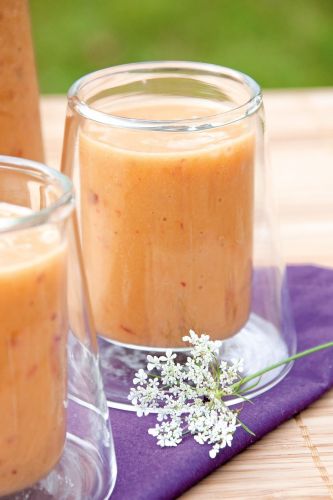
20, 129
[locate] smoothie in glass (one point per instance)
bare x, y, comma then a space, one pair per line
33, 331
167, 225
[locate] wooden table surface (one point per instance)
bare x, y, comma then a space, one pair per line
296, 460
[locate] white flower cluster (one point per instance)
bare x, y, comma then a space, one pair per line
189, 396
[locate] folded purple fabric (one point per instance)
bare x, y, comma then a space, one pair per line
147, 472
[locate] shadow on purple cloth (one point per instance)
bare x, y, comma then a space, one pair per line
147, 472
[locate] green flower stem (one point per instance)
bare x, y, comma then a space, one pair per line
259, 373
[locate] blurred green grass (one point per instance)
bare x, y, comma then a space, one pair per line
281, 43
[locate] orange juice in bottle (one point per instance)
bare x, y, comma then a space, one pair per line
20, 129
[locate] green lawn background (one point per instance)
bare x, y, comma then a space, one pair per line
281, 43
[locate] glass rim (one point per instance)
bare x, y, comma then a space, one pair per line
56, 211
223, 118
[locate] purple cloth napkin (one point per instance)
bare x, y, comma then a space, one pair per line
148, 472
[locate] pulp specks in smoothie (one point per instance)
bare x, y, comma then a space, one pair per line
32, 291
191, 196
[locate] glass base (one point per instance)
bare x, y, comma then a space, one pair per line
259, 343
87, 467
77, 476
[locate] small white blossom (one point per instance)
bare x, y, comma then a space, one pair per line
238, 365
168, 433
214, 451
140, 377
169, 356
153, 362
189, 396
192, 338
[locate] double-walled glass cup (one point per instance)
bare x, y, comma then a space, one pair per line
55, 437
174, 208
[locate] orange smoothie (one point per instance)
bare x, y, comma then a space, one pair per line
33, 331
20, 130
167, 226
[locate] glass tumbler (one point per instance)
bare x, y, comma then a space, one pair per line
175, 216
55, 437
